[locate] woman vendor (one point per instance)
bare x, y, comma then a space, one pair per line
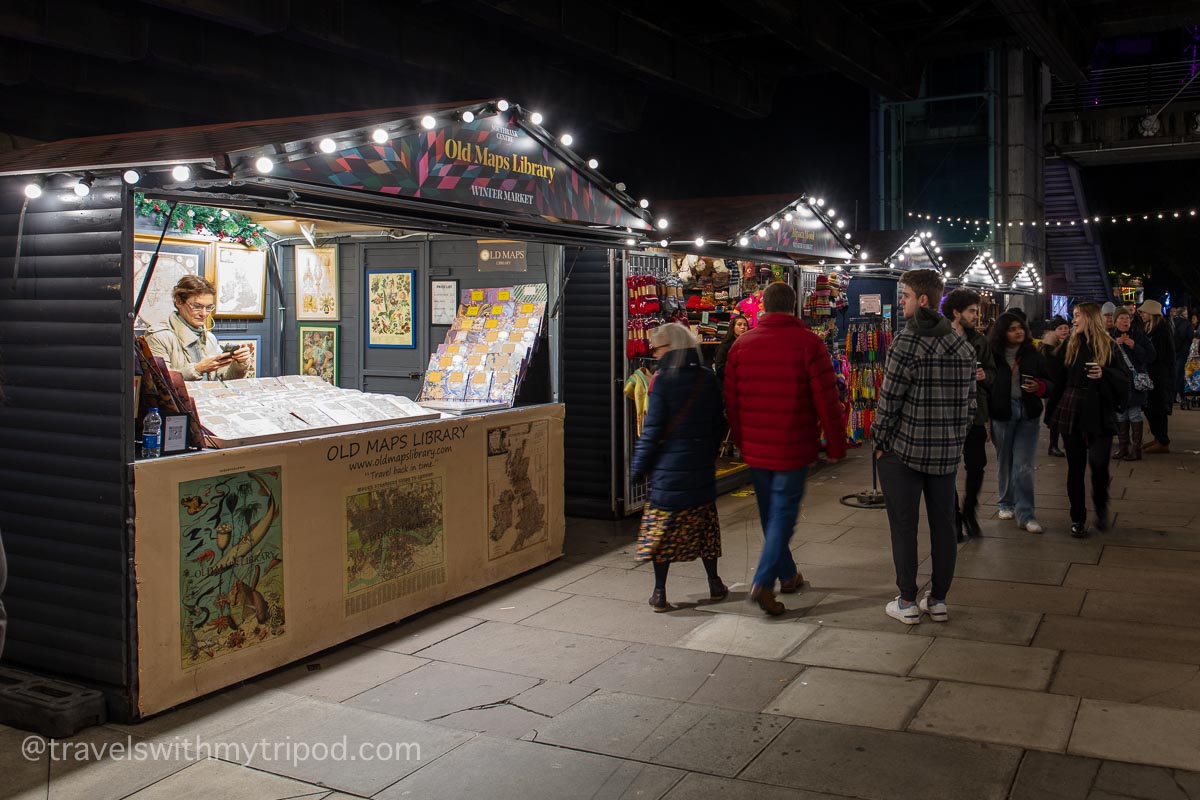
185, 343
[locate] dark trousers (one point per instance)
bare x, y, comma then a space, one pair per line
1157, 417
902, 489
1087, 452
1054, 434
975, 461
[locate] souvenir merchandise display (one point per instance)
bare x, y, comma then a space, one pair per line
867, 343
827, 298
487, 350
252, 410
644, 313
707, 283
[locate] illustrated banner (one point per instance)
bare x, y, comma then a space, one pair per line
491, 163
805, 234
250, 558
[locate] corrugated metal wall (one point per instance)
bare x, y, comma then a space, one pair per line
589, 336
65, 349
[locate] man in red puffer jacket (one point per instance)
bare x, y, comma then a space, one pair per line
780, 393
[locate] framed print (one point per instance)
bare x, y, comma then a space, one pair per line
443, 302
317, 283
248, 341
241, 281
174, 433
177, 258
391, 308
319, 352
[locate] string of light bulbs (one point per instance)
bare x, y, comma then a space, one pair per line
1166, 215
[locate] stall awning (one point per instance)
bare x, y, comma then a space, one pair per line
1018, 278
483, 161
791, 227
896, 251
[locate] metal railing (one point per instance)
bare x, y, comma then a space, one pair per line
1151, 85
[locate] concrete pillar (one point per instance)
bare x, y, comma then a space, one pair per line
1021, 188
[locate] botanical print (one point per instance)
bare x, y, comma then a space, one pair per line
230, 563
316, 283
319, 352
390, 308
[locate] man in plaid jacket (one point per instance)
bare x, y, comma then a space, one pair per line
925, 408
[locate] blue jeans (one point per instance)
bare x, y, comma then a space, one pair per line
778, 495
1132, 413
1016, 447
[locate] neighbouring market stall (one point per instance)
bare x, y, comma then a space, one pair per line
1020, 285
365, 256
718, 255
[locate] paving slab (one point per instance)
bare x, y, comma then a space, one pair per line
556, 575
878, 539
1134, 581
212, 715
422, 632
983, 624
504, 720
1043, 548
1133, 780
1129, 680
840, 555
342, 673
1017, 570
1151, 558
206, 779
95, 764
498, 769
752, 636
522, 650
438, 690
636, 585
813, 531
1114, 638
706, 787
1033, 720
988, 663
851, 698
1053, 776
1153, 608
506, 603
859, 613
668, 672
1140, 734
738, 602
617, 619
1016, 596
744, 684
853, 582
315, 723
818, 511
551, 697
865, 651
698, 738
883, 765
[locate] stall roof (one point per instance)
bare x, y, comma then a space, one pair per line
1018, 278
457, 167
886, 251
720, 218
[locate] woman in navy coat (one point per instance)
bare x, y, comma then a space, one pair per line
677, 451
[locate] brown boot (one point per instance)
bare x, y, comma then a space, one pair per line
1122, 451
1155, 447
1135, 441
766, 601
791, 586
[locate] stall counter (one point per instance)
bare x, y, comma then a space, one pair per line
251, 558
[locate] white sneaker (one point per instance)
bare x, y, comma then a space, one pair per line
909, 615
1033, 526
936, 609
1006, 513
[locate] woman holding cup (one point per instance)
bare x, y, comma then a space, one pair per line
1093, 386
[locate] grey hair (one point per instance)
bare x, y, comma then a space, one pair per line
675, 336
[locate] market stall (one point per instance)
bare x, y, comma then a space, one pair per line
1020, 285
970, 269
884, 256
372, 260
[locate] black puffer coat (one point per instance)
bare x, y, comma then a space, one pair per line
1029, 362
1140, 357
681, 433
1162, 370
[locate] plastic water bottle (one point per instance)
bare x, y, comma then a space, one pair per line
152, 434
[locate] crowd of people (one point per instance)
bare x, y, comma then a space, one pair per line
1096, 381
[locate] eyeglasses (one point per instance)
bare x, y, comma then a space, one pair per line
201, 309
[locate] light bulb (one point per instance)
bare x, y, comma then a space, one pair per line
700, 241
745, 240
644, 203
831, 213
379, 136
33, 190
81, 189
131, 176
468, 116
593, 164
662, 224
848, 235
630, 242
502, 105
788, 217
567, 139
181, 172
536, 118
812, 201
821, 201
937, 249
664, 243
264, 164
327, 145
774, 224
428, 122
762, 233
841, 223
863, 255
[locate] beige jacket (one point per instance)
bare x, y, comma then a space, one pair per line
171, 343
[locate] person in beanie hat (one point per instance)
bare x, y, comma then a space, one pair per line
1109, 312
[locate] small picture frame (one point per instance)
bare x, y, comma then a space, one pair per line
443, 301
391, 308
318, 345
174, 433
241, 281
317, 283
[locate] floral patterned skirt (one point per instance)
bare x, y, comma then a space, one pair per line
684, 535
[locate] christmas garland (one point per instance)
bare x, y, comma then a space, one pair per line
227, 226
